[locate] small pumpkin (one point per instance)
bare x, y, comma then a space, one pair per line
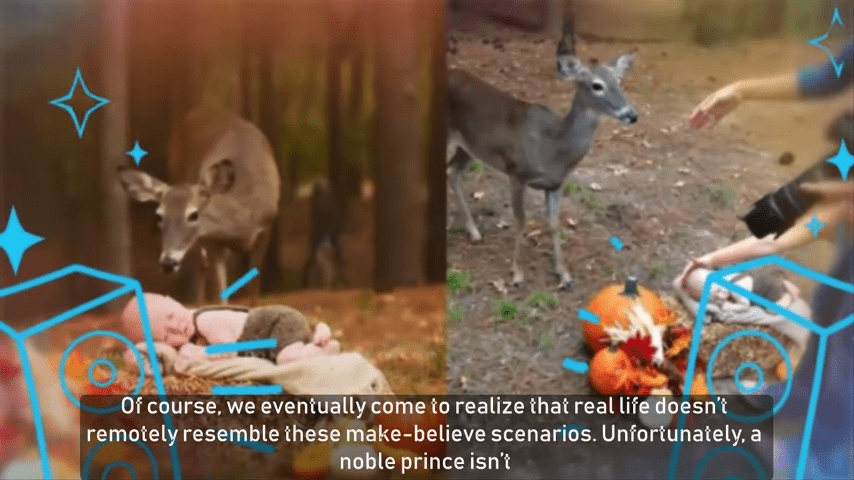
313, 461
406, 423
611, 304
612, 373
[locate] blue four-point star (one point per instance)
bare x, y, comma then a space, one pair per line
61, 102
15, 240
137, 153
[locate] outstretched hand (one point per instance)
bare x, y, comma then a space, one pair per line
715, 106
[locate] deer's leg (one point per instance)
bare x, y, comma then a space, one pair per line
457, 163
553, 198
517, 194
220, 272
340, 267
202, 271
256, 259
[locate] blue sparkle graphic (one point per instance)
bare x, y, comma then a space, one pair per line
60, 102
843, 160
247, 390
817, 42
616, 243
137, 153
588, 316
576, 366
263, 344
815, 225
15, 240
237, 285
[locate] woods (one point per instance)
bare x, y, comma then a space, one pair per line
342, 90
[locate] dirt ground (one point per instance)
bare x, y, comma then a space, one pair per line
666, 191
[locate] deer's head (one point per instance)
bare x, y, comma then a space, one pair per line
180, 208
600, 84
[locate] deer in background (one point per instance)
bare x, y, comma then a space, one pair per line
533, 145
224, 198
327, 224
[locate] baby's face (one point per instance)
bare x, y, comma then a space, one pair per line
179, 327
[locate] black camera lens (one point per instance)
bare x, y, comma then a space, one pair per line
778, 211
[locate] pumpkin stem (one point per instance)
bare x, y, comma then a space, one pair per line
631, 287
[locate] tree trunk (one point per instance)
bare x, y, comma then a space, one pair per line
268, 119
334, 128
436, 264
116, 219
398, 169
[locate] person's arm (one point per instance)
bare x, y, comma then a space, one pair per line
784, 86
829, 213
810, 82
821, 80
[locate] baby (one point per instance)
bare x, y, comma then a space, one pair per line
178, 331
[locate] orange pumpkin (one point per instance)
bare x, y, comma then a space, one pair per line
611, 305
406, 423
612, 372
312, 462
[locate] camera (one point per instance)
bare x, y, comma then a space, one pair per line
778, 211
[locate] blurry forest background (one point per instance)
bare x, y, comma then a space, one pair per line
334, 98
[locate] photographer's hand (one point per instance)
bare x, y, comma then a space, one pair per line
722, 102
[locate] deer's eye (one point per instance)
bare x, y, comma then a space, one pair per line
598, 86
193, 216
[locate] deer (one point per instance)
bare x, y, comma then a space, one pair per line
225, 195
327, 225
534, 146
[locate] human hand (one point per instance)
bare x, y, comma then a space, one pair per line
715, 107
682, 280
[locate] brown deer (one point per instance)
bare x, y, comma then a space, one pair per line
224, 196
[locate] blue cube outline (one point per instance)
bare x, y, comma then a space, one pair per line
718, 278
127, 285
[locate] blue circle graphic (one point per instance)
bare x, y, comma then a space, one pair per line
740, 385
701, 465
87, 464
754, 333
90, 372
124, 465
62, 378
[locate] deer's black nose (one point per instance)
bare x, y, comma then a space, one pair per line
169, 265
631, 117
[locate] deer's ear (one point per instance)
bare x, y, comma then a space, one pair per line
141, 186
570, 68
219, 177
622, 64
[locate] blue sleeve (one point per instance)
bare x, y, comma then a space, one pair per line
821, 80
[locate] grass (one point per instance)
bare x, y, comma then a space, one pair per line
366, 304
505, 309
456, 313
457, 229
546, 341
723, 195
667, 169
570, 188
486, 211
542, 299
608, 270
458, 281
656, 269
475, 167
